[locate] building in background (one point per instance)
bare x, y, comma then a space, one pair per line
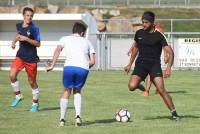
52, 28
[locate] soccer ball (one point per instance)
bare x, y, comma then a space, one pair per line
123, 115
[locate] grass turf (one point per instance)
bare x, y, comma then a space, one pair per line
103, 94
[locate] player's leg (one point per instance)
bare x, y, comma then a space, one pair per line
78, 106
31, 69
141, 87
134, 82
148, 86
139, 73
81, 76
63, 105
156, 92
156, 74
16, 66
68, 83
159, 83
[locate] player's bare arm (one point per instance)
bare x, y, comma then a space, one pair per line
92, 60
13, 45
31, 41
132, 58
170, 53
131, 49
166, 57
55, 57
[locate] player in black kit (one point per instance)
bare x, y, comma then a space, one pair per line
149, 44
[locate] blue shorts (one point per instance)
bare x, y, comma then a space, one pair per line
74, 77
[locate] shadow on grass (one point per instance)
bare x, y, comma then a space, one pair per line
103, 121
177, 92
169, 117
52, 108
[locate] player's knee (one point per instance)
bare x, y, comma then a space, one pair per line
13, 77
32, 83
132, 86
66, 94
76, 91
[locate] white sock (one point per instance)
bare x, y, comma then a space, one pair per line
63, 107
16, 87
77, 103
35, 93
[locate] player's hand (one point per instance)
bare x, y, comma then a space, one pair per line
17, 37
127, 69
49, 68
23, 38
13, 45
167, 72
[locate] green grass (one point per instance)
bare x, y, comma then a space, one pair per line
104, 93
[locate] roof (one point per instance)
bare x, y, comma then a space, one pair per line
45, 16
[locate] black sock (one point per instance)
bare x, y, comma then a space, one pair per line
141, 87
63, 120
174, 113
78, 116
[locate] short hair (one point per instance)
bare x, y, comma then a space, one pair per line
79, 28
27, 9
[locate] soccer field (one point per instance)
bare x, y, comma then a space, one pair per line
104, 93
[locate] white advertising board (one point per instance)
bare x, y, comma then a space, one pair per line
188, 52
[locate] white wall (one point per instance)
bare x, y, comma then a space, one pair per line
117, 56
52, 28
51, 32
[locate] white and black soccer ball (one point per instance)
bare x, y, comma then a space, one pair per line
122, 115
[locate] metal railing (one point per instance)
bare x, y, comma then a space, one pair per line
112, 47
156, 3
112, 50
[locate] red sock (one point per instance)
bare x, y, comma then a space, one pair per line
17, 93
36, 101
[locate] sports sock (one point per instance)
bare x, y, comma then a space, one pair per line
16, 88
63, 107
141, 87
77, 103
174, 113
35, 93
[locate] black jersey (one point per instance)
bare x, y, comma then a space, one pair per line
150, 45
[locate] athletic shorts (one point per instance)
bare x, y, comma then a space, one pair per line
74, 77
143, 68
31, 68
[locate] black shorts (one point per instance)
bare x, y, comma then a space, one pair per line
143, 68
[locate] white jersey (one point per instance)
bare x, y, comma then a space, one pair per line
77, 50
